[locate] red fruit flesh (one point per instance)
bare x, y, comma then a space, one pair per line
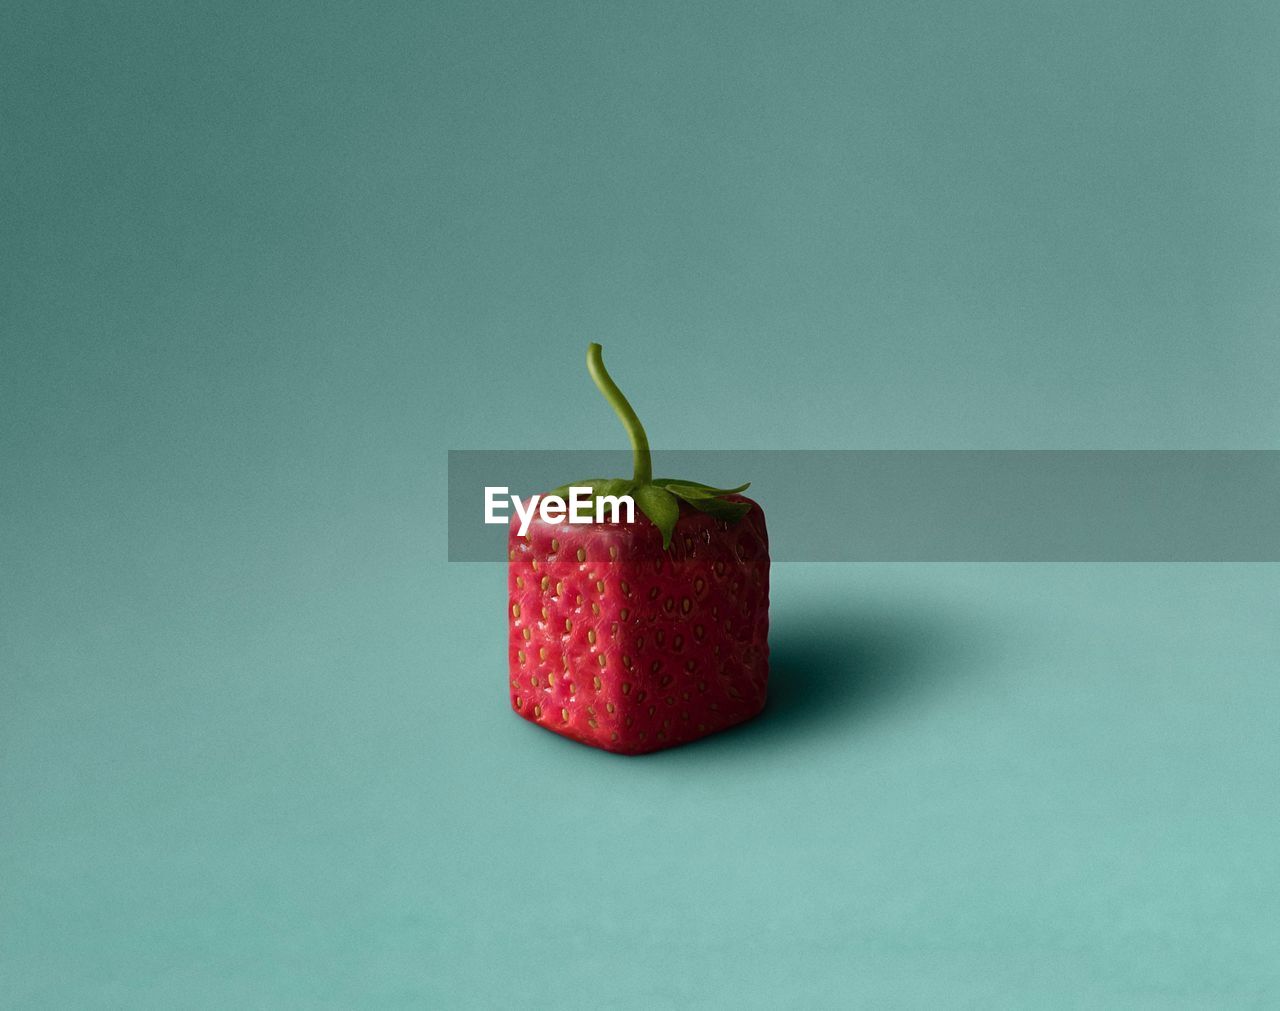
624, 646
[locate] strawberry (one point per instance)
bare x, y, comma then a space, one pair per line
636, 636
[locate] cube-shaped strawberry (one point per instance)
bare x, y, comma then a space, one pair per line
640, 634
619, 643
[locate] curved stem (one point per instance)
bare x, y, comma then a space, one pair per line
624, 410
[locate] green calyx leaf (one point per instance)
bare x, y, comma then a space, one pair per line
711, 501
697, 488
660, 506
708, 499
720, 508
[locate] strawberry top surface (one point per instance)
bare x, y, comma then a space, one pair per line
624, 543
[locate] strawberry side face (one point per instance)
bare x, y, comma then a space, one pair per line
622, 644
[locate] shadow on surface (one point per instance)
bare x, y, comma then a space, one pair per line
831, 670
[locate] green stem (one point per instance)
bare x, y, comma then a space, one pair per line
624, 410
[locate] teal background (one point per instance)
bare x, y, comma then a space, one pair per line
263, 264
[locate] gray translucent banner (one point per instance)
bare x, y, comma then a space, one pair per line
937, 505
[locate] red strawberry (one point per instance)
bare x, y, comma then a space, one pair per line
636, 636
